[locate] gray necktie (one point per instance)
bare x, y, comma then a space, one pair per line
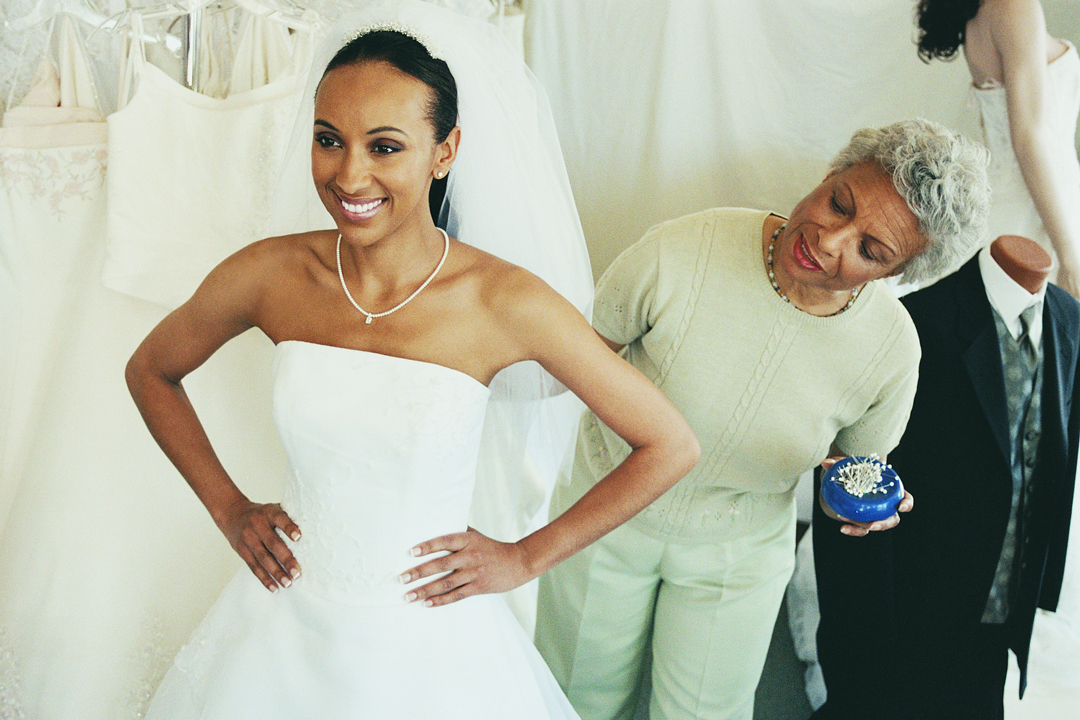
1027, 317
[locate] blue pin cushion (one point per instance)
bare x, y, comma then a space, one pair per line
879, 503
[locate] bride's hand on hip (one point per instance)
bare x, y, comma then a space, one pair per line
476, 564
251, 529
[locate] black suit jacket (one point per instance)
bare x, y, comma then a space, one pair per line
929, 577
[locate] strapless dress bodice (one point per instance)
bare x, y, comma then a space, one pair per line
383, 455
1062, 106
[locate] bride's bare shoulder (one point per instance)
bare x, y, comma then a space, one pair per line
499, 283
280, 258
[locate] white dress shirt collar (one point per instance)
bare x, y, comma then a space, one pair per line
1009, 298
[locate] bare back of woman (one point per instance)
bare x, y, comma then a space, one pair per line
982, 52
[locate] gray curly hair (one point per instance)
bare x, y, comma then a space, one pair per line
941, 175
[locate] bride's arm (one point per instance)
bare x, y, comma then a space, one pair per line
218, 311
663, 446
1018, 29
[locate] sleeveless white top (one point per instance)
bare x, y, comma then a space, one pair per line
190, 177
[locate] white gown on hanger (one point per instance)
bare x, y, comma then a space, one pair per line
191, 177
383, 453
52, 165
108, 559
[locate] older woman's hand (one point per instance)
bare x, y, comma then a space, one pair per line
859, 529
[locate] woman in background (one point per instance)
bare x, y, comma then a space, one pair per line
1027, 84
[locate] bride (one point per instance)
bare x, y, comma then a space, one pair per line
393, 339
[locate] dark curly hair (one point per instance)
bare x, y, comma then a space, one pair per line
941, 26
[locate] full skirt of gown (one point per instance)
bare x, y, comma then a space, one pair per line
383, 452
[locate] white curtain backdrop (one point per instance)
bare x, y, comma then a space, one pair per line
665, 107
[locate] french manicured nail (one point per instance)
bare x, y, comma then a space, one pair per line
415, 552
409, 597
295, 535
295, 572
286, 582
405, 578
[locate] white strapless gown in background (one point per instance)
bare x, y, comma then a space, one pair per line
383, 453
1012, 211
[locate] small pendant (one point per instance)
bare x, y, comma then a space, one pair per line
368, 321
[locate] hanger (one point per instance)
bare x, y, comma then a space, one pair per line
64, 17
286, 12
45, 10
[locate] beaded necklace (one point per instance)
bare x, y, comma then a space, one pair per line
776, 285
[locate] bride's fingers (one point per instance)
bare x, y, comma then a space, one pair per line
475, 564
448, 543
265, 552
271, 554
458, 585
255, 564
282, 521
452, 544
455, 560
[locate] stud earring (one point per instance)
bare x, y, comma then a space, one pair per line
440, 174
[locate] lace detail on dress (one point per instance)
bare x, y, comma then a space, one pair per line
194, 657
275, 124
11, 705
151, 660
55, 178
374, 478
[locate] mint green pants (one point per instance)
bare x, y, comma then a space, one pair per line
705, 611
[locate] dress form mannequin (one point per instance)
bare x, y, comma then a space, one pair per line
952, 664
1024, 260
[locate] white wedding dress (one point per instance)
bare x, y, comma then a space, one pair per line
1012, 211
383, 452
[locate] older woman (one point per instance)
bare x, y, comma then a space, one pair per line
772, 338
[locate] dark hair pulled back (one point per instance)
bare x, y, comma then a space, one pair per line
410, 57
942, 25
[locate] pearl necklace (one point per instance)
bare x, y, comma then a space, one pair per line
776, 285
403, 303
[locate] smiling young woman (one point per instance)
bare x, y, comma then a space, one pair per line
393, 336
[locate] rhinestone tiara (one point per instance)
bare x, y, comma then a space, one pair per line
396, 27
